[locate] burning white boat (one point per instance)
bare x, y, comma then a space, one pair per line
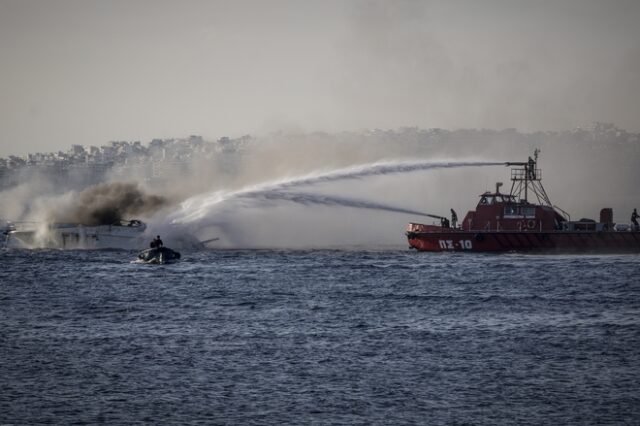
126, 234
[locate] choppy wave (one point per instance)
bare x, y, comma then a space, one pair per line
319, 337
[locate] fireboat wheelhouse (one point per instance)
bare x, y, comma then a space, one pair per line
524, 220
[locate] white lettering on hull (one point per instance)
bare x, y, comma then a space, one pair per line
451, 245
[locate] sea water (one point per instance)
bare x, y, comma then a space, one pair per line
319, 337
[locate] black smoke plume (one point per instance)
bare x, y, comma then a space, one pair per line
109, 203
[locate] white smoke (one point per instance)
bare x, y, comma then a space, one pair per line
245, 212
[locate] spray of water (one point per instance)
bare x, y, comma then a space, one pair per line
202, 209
311, 199
376, 169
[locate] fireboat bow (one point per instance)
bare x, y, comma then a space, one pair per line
524, 220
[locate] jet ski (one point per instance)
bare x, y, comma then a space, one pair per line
159, 255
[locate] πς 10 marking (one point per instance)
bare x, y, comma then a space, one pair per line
450, 245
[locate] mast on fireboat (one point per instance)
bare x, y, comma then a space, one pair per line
527, 179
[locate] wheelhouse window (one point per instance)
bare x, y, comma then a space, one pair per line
510, 210
514, 211
491, 199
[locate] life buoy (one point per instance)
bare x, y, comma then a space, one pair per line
531, 224
479, 237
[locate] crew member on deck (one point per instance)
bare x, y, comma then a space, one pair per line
444, 222
634, 219
531, 169
454, 218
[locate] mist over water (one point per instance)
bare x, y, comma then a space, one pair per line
358, 68
299, 190
314, 125
248, 207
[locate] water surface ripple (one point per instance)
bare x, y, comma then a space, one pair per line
319, 337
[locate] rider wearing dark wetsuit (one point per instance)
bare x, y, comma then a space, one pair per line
156, 243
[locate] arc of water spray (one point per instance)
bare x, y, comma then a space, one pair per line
307, 199
376, 169
197, 208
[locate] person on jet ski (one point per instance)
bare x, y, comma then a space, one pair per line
156, 243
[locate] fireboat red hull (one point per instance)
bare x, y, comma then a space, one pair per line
523, 241
525, 220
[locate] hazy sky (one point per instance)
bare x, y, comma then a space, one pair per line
90, 71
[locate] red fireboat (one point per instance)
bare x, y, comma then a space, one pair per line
515, 223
